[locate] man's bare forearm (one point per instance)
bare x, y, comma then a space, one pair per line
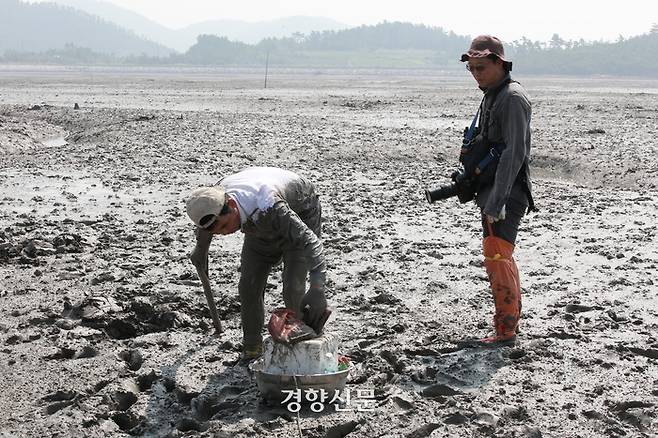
199, 255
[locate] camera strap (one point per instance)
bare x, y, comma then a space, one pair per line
470, 132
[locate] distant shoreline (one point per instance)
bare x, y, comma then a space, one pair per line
174, 69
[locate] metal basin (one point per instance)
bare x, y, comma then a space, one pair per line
272, 385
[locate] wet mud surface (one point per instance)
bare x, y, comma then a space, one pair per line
104, 329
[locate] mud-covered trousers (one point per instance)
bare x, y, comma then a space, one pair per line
259, 256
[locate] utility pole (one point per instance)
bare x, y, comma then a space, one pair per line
267, 62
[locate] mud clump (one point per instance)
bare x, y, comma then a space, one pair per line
424, 431
146, 380
133, 359
439, 390
184, 394
122, 400
68, 243
85, 352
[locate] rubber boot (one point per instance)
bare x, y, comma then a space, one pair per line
250, 352
505, 287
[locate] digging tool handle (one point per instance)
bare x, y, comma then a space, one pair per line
211, 300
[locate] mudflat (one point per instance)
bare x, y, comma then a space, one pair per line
104, 328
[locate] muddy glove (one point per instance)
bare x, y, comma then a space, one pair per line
199, 255
500, 217
286, 328
314, 303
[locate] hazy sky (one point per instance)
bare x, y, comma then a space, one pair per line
510, 20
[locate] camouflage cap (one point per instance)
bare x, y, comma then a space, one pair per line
485, 46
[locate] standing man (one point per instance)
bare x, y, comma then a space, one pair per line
279, 213
501, 179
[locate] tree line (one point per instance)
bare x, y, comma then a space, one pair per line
388, 44
636, 56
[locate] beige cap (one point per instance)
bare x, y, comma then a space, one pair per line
203, 202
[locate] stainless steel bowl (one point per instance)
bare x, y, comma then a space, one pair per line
272, 385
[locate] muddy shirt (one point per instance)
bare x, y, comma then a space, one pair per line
273, 203
508, 123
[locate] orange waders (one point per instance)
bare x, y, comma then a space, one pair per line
505, 285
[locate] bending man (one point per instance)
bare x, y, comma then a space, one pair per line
279, 213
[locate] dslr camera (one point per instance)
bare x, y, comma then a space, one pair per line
462, 186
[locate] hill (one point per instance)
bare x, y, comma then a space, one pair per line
182, 39
131, 21
255, 32
400, 45
39, 27
383, 45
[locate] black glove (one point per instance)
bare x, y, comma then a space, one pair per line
314, 303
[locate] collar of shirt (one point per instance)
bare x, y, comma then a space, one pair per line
243, 215
498, 84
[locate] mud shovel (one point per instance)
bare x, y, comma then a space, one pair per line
205, 281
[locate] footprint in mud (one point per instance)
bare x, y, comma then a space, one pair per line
226, 401
462, 370
208, 407
191, 425
127, 421
59, 400
120, 329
